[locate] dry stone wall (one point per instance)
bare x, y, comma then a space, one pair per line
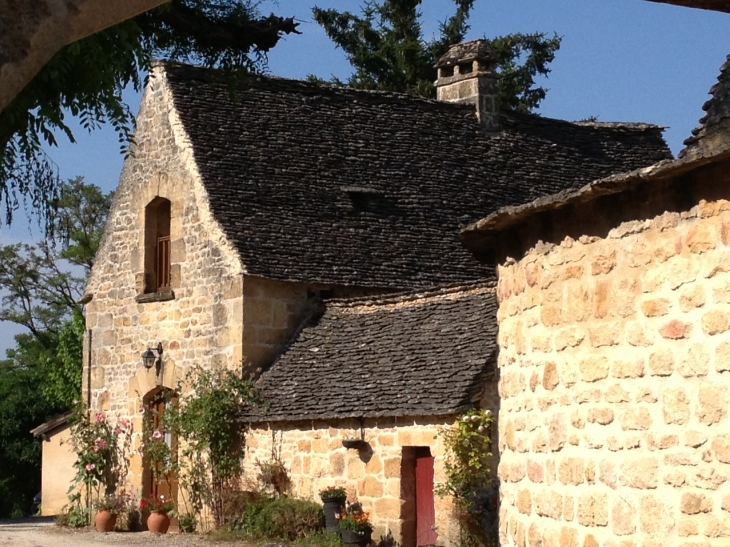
315, 458
615, 375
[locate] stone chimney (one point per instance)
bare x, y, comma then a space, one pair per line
466, 74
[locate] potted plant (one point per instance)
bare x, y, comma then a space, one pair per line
161, 509
333, 498
107, 509
355, 527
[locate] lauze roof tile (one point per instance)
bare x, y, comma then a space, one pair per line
277, 158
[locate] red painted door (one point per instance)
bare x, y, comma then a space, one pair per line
425, 512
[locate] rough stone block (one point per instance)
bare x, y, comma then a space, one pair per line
675, 330
691, 298
655, 517
661, 363
623, 517
616, 393
715, 322
524, 502
675, 406
550, 376
721, 448
572, 471
641, 473
636, 419
656, 307
712, 404
692, 503
602, 416
593, 509
570, 337
594, 368
694, 362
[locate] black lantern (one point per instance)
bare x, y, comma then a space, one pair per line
149, 358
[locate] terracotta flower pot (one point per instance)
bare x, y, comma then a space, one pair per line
158, 522
105, 521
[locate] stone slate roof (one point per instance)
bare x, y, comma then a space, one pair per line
343, 187
409, 354
714, 129
710, 143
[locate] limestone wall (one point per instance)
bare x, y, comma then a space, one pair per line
615, 368
314, 455
202, 325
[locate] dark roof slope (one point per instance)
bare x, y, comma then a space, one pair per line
714, 129
346, 187
715, 5
404, 355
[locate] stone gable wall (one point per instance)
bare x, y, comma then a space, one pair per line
615, 376
315, 458
203, 324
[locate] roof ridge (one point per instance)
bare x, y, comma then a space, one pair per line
325, 86
410, 295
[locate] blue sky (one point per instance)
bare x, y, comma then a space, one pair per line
621, 60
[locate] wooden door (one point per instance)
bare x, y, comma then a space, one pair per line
162, 486
425, 512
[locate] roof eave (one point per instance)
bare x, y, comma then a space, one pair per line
481, 234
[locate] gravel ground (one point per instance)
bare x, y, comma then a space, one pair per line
42, 533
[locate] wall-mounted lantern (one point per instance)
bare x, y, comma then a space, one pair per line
150, 358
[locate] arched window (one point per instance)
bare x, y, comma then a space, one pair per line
157, 245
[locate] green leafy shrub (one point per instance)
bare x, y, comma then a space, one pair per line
188, 524
282, 519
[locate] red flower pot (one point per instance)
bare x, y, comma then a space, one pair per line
105, 521
158, 522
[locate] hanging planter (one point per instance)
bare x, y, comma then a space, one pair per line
353, 443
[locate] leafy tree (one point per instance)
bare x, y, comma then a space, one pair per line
87, 77
41, 375
386, 47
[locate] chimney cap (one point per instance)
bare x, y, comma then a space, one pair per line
466, 52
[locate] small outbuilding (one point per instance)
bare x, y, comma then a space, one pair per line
57, 470
390, 372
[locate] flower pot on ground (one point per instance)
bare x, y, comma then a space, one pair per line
158, 522
355, 527
350, 538
161, 509
333, 499
105, 521
108, 508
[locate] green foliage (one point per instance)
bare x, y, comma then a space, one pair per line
74, 515
320, 539
188, 524
332, 492
41, 376
273, 476
466, 467
86, 79
102, 458
204, 417
386, 47
355, 519
281, 519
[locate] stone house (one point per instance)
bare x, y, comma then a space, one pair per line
614, 353
393, 371
245, 202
